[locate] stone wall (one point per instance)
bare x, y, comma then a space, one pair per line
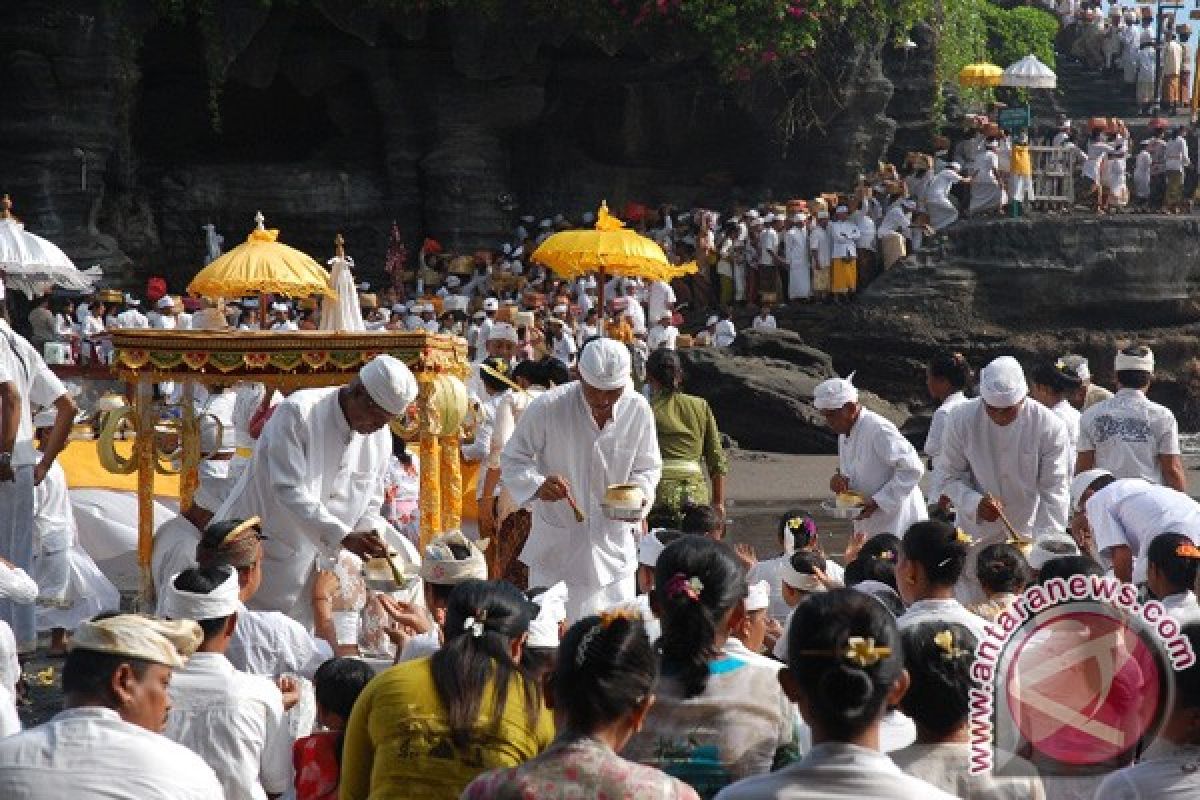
339, 116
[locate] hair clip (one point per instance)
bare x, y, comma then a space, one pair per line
945, 642
681, 584
585, 641
475, 625
1187, 550
886, 555
863, 651
962, 536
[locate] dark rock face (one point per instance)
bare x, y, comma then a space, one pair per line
761, 392
343, 116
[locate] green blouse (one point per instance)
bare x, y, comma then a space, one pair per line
687, 431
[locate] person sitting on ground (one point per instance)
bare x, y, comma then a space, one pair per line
800, 577
875, 560
268, 643
1173, 561
115, 681
466, 709
749, 640
449, 560
1003, 574
317, 759
797, 531
718, 718
1167, 770
601, 691
231, 719
938, 658
845, 667
932, 558
702, 520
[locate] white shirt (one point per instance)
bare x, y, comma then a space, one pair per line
795, 246
91, 752
1128, 433
22, 365
1025, 465
564, 347
1175, 154
636, 314
1169, 772
768, 247
834, 770
769, 570
174, 549
131, 318
844, 236
943, 610
660, 298
1070, 417
1183, 606
766, 323
820, 245
557, 435
10, 723
724, 333
18, 587
947, 766
937, 427
658, 336
896, 220
1131, 512
272, 644
477, 450
233, 721
313, 481
881, 464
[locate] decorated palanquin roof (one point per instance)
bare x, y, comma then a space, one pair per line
278, 358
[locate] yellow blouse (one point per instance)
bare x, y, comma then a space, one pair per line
398, 741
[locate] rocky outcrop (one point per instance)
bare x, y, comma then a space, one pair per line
343, 116
761, 392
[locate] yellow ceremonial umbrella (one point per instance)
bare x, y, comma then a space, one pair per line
609, 248
261, 265
980, 75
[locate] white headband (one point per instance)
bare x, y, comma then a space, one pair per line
835, 393
552, 609
220, 602
800, 581
758, 596
1125, 362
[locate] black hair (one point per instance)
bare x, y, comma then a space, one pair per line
870, 569
801, 525
1178, 570
883, 546
952, 368
552, 372
1133, 378
939, 696
1001, 567
1102, 482
697, 518
202, 580
337, 684
665, 367
498, 365
216, 532
1068, 566
806, 562
467, 663
690, 616
935, 546
1187, 681
1062, 380
844, 697
887, 596
607, 667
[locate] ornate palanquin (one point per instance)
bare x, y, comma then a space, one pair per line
288, 360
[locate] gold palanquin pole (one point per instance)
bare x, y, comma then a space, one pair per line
287, 361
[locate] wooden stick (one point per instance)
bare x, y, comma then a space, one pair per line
1004, 518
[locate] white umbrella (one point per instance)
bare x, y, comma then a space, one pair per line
341, 313
1029, 73
31, 263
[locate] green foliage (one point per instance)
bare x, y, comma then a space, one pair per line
975, 31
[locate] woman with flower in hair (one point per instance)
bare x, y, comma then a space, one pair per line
938, 657
428, 727
797, 531
844, 669
1172, 562
932, 557
717, 718
601, 691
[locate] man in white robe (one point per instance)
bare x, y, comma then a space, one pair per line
25, 382
231, 719
1002, 453
316, 480
874, 459
107, 743
1124, 515
570, 445
795, 248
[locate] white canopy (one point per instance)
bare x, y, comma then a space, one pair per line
32, 264
1029, 73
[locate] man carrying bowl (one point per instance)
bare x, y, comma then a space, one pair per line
570, 446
